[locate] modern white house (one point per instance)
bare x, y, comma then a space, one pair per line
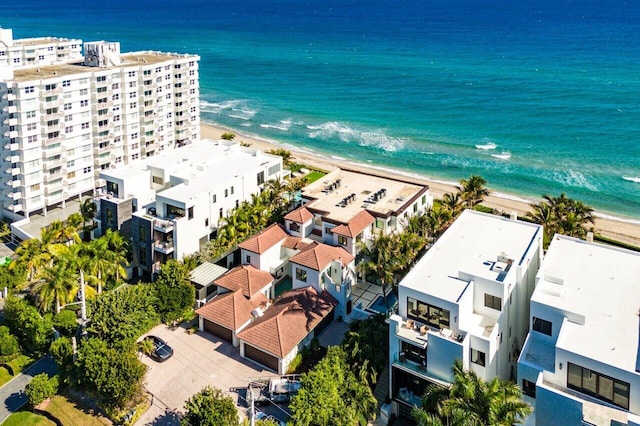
65, 117
171, 204
580, 364
347, 207
466, 299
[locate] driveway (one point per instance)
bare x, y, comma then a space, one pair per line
12, 393
198, 360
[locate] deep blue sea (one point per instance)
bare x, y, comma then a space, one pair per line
406, 84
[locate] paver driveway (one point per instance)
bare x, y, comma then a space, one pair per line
198, 360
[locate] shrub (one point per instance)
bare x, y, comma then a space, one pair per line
33, 331
62, 352
9, 347
40, 388
227, 136
66, 322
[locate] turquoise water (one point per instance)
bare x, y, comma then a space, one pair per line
407, 85
379, 304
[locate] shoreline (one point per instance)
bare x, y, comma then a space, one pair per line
607, 225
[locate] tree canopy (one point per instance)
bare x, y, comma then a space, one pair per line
562, 215
470, 401
332, 395
210, 407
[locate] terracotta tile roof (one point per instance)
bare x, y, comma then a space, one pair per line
246, 278
231, 310
319, 256
299, 215
264, 240
356, 225
296, 243
288, 321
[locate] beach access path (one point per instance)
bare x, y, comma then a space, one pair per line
619, 230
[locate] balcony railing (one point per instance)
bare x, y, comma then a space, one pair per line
164, 226
165, 247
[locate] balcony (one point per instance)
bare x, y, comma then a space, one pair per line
11, 134
164, 247
53, 103
164, 226
13, 170
16, 208
10, 109
12, 146
14, 183
51, 176
50, 92
9, 97
15, 195
10, 121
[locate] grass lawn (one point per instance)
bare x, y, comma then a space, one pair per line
27, 418
4, 376
62, 409
313, 176
69, 414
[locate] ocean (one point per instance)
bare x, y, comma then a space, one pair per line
405, 84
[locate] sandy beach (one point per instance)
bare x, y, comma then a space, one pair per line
625, 231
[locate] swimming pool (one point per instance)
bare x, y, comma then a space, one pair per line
380, 306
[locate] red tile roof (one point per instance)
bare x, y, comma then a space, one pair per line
319, 256
288, 321
356, 225
264, 240
299, 215
296, 243
246, 278
231, 310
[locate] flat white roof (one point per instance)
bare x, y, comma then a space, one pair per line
602, 284
203, 164
471, 248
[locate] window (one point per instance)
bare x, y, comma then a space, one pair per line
342, 240
294, 227
301, 275
260, 178
273, 169
143, 255
221, 213
66, 83
158, 180
414, 353
248, 259
232, 190
493, 302
142, 233
67, 107
542, 326
477, 357
31, 114
428, 314
84, 103
190, 212
528, 388
226, 193
214, 198
415, 207
29, 89
598, 385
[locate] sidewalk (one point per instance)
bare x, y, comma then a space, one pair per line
12, 394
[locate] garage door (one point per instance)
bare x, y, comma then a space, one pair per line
261, 357
218, 330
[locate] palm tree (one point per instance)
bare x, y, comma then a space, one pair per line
58, 286
470, 401
473, 191
88, 210
438, 219
117, 253
562, 215
452, 202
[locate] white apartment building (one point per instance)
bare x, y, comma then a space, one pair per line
466, 299
64, 122
37, 51
171, 204
580, 364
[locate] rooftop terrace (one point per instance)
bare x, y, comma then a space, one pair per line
342, 194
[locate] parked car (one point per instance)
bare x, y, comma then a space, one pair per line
161, 350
